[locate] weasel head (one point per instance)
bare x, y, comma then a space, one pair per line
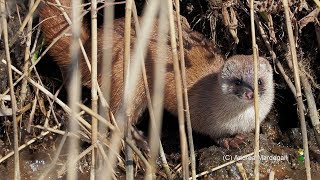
237, 79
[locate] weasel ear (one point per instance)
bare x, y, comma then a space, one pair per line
264, 65
228, 68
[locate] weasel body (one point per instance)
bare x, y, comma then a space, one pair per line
219, 105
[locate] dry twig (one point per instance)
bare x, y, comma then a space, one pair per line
178, 83
298, 88
13, 98
256, 94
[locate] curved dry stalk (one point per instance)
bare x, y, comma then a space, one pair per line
185, 92
256, 94
13, 98
177, 75
298, 88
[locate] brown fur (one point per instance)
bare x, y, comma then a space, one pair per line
202, 61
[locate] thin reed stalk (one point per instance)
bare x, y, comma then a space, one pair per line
27, 57
13, 98
126, 72
185, 93
107, 63
131, 81
94, 91
155, 124
298, 89
178, 83
256, 93
74, 89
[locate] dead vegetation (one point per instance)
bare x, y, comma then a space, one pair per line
67, 135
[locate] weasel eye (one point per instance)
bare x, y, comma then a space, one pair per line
259, 81
238, 81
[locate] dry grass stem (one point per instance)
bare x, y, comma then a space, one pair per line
185, 92
86, 58
298, 88
312, 106
131, 81
97, 116
178, 83
158, 93
94, 76
46, 122
106, 69
286, 78
13, 98
154, 138
256, 93
74, 88
126, 72
155, 124
27, 56
33, 110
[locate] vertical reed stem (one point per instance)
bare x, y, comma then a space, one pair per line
94, 91
13, 98
298, 89
185, 93
126, 63
177, 75
256, 94
74, 88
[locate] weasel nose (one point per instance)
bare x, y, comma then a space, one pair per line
249, 95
